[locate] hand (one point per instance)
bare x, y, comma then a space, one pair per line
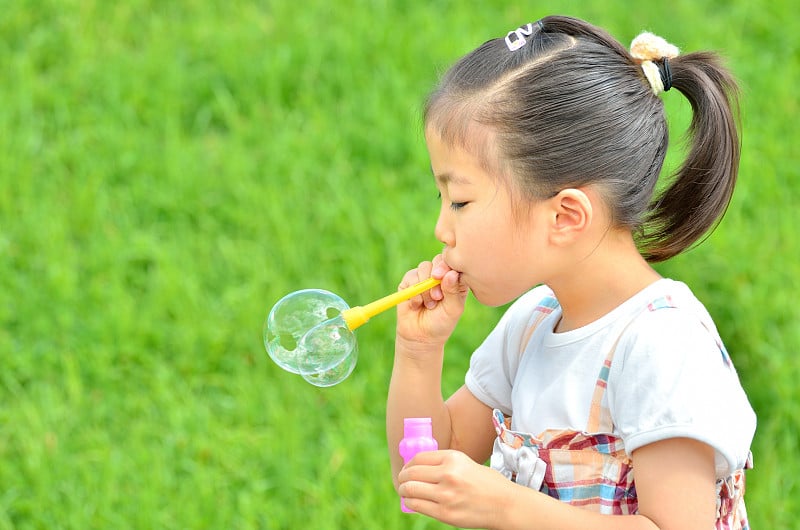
431, 317
451, 487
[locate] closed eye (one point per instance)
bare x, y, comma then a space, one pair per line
453, 205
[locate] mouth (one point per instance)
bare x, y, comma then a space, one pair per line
447, 261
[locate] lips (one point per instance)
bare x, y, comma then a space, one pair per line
447, 261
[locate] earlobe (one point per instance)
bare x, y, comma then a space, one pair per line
573, 214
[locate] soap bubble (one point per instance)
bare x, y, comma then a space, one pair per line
325, 345
306, 334
299, 314
336, 374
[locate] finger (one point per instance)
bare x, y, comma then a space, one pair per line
419, 473
440, 267
452, 284
416, 491
424, 467
455, 294
410, 278
428, 458
418, 497
424, 271
423, 506
414, 276
412, 476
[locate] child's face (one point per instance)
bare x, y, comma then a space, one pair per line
494, 251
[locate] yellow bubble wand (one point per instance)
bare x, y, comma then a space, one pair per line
356, 317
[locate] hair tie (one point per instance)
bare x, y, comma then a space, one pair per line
519, 35
647, 49
666, 73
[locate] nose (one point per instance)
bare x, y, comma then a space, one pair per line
444, 231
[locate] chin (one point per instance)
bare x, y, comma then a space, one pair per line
495, 298
490, 300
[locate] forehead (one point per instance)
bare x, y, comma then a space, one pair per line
461, 160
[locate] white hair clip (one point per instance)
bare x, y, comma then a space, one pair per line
520, 33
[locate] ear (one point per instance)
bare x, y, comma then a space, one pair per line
572, 216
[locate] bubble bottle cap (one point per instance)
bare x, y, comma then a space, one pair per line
417, 427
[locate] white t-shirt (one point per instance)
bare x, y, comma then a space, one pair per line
670, 375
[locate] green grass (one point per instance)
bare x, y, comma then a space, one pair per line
169, 170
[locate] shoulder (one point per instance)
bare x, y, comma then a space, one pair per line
673, 325
672, 377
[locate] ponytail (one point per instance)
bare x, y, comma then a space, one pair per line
700, 191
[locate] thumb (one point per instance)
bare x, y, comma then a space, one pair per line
454, 292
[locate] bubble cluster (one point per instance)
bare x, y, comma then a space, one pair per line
305, 334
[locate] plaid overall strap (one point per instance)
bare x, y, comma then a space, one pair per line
599, 414
546, 306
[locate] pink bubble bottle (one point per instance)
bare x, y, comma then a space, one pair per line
417, 437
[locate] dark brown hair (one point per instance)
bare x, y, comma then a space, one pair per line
572, 108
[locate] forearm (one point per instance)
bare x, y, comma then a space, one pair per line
527, 509
675, 486
424, 324
415, 391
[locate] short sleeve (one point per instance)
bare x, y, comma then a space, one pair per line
675, 380
493, 366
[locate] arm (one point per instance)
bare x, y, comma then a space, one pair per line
423, 326
675, 482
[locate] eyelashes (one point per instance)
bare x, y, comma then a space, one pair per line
455, 206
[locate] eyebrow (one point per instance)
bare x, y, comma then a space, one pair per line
444, 178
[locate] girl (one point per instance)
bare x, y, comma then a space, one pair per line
604, 397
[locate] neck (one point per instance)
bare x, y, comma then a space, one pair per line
609, 275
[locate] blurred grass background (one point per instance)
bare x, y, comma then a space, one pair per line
169, 170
